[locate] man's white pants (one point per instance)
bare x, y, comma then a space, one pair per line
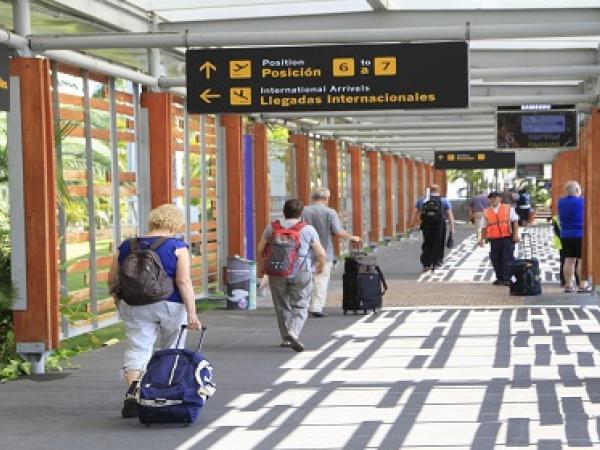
319, 292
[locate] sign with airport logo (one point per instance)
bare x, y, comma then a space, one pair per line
328, 78
474, 160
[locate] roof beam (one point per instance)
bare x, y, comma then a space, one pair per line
489, 58
538, 73
305, 37
115, 15
404, 125
379, 5
418, 132
390, 19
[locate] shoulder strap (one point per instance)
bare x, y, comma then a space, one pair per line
160, 241
276, 225
382, 278
133, 244
299, 226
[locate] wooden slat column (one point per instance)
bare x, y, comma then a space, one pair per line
428, 175
331, 149
300, 142
235, 186
388, 230
592, 194
160, 120
440, 178
410, 185
420, 181
400, 194
261, 183
356, 183
374, 195
39, 321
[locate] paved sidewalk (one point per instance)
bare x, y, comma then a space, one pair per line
418, 377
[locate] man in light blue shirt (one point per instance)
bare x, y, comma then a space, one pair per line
327, 223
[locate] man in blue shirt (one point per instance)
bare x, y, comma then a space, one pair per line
570, 214
433, 211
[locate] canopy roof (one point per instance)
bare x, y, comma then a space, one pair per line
527, 51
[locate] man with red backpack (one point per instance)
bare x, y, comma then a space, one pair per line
292, 253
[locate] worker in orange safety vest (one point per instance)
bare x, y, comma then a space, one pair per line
500, 226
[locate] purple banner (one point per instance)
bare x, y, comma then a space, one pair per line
249, 197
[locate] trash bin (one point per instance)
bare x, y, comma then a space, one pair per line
241, 283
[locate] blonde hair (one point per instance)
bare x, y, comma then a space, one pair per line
167, 217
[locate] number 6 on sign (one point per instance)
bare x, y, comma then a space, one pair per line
343, 67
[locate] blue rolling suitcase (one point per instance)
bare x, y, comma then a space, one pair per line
175, 386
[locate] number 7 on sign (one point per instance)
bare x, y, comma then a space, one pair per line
385, 65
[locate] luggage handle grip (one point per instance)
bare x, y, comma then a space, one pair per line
183, 328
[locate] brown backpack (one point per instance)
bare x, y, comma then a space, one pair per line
142, 277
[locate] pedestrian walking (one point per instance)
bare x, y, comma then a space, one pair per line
557, 245
327, 223
476, 207
293, 253
500, 226
151, 284
509, 196
524, 207
432, 212
570, 215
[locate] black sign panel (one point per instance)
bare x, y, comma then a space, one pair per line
4, 78
475, 160
530, 170
547, 129
328, 78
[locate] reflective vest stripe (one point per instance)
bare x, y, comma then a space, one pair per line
498, 225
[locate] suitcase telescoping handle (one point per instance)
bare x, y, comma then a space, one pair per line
183, 328
527, 242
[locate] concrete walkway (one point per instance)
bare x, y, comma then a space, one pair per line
484, 377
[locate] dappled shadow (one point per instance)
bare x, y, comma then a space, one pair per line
421, 378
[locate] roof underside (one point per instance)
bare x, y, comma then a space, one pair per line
502, 70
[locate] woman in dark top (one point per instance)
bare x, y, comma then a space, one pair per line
144, 322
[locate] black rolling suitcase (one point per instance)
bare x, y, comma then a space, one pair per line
525, 273
363, 283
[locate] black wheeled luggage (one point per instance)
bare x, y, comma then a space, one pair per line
363, 283
525, 273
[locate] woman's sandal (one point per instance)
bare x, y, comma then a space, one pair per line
584, 290
570, 290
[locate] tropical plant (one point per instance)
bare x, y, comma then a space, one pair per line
475, 179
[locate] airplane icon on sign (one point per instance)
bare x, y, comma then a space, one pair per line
240, 68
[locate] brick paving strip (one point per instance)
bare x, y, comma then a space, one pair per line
413, 293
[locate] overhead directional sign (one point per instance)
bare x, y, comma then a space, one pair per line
474, 160
4, 78
328, 78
